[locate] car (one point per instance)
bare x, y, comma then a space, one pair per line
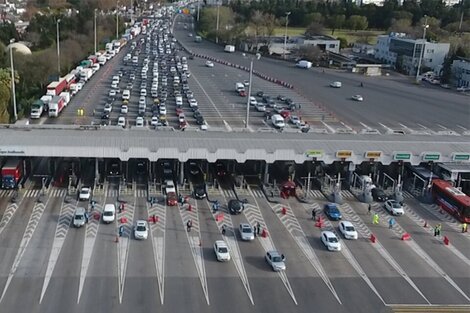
124, 109
379, 195
139, 121
221, 251
194, 169
181, 117
242, 93
121, 121
209, 64
105, 116
357, 98
162, 110
220, 169
132, 76
330, 241
281, 98
235, 206
171, 199
276, 260
85, 193
112, 93
192, 103
79, 217
336, 84
394, 207
294, 119
143, 92
141, 230
260, 94
246, 232
246, 83
109, 213
108, 108
285, 114
155, 121
347, 229
332, 212
200, 192
253, 101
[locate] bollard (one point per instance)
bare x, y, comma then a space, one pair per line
372, 238
190, 207
284, 210
97, 216
264, 233
319, 222
446, 240
123, 220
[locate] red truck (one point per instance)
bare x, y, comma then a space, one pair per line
55, 88
93, 58
12, 173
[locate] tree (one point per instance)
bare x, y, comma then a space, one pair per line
314, 29
335, 22
343, 42
401, 26
357, 22
5, 95
310, 53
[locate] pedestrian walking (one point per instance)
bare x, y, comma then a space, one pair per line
86, 217
375, 219
391, 222
314, 214
439, 229
223, 230
189, 224
254, 230
369, 209
464, 227
92, 204
258, 228
435, 231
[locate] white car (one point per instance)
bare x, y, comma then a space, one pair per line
394, 207
347, 229
142, 100
155, 121
246, 232
294, 119
141, 230
124, 109
192, 103
85, 193
209, 64
336, 84
108, 108
139, 121
330, 241
221, 251
121, 121
143, 92
112, 93
162, 110
253, 101
276, 260
357, 98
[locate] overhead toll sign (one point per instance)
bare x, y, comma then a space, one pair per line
431, 156
460, 156
373, 154
344, 154
314, 153
402, 156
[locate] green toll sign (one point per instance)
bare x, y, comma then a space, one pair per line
402, 156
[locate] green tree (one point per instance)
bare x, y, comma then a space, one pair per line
314, 29
5, 95
357, 22
335, 22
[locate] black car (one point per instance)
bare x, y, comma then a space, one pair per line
197, 114
200, 192
220, 169
281, 98
200, 121
235, 206
260, 93
379, 195
105, 116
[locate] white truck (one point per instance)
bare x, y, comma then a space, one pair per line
102, 60
229, 48
109, 47
74, 89
304, 64
37, 108
86, 74
67, 96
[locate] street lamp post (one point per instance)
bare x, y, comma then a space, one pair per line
421, 53
257, 57
58, 47
13, 92
217, 26
95, 30
285, 34
198, 8
117, 19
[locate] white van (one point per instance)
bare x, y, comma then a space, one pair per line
109, 213
278, 121
239, 87
126, 95
366, 181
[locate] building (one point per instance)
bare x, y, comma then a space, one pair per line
324, 43
461, 72
403, 53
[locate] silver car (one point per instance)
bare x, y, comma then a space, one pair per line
276, 260
79, 217
246, 232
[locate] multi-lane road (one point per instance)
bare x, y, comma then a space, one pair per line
47, 265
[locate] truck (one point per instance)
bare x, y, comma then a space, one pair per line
46, 99
109, 47
229, 48
304, 64
37, 108
67, 96
74, 89
57, 87
102, 60
93, 58
86, 74
70, 79
56, 105
12, 173
86, 63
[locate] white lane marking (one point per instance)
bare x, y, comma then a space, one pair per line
91, 233
195, 244
208, 98
8, 215
33, 222
230, 238
444, 217
331, 129
386, 127
227, 126
364, 125
365, 232
157, 231
63, 224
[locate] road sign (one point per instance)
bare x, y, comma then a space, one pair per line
373, 154
402, 156
314, 153
460, 156
431, 156
344, 154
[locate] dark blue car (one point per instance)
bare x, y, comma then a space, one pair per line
331, 210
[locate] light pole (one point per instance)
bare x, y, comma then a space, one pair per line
117, 19
421, 53
257, 57
95, 30
58, 46
217, 26
13, 92
285, 34
198, 5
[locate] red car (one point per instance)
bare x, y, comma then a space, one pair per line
285, 114
183, 125
242, 93
171, 199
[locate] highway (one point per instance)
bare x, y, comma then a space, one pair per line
390, 102
63, 268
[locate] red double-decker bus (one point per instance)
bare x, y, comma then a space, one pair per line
451, 199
